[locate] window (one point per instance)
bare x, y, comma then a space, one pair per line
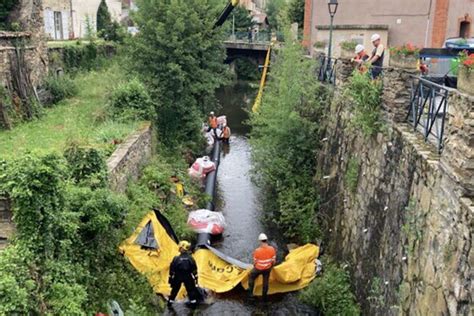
58, 26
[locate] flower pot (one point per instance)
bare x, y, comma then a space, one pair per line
466, 80
403, 61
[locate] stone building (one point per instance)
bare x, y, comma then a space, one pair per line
68, 19
425, 23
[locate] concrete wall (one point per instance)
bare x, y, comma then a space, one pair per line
358, 33
406, 230
408, 20
128, 159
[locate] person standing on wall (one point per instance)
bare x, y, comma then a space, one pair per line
264, 258
183, 270
376, 58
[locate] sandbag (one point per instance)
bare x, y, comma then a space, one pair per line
210, 139
201, 167
205, 221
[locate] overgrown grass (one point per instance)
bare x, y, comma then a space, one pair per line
82, 117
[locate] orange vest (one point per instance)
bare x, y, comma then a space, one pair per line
264, 257
213, 122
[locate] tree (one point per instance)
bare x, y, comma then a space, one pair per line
181, 60
296, 12
243, 19
274, 9
104, 19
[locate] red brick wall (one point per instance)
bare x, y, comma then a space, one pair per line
440, 23
308, 12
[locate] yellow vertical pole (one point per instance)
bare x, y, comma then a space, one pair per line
258, 99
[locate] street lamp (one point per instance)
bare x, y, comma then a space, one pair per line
332, 7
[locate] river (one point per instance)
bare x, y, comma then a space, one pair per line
238, 198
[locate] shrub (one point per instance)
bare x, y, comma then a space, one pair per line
131, 101
85, 57
86, 166
60, 87
284, 138
366, 94
320, 44
331, 293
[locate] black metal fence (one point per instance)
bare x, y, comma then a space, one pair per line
327, 70
428, 107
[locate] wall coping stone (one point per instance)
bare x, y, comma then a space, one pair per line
6, 34
354, 27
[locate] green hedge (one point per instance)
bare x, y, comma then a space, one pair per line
86, 56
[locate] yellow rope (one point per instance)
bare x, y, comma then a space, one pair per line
258, 100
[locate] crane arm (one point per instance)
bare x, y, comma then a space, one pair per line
225, 13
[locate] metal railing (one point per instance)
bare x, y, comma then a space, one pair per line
428, 108
327, 70
255, 37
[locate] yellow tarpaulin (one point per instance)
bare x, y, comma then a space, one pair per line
216, 274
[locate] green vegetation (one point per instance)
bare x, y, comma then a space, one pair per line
6, 6
103, 16
106, 28
376, 293
366, 94
285, 135
246, 69
243, 19
180, 62
86, 56
352, 174
64, 257
296, 12
131, 101
83, 117
331, 293
60, 88
275, 13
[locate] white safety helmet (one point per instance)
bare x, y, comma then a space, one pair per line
375, 37
359, 48
262, 237
212, 113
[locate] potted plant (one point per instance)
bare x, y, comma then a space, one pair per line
466, 73
405, 56
347, 48
320, 46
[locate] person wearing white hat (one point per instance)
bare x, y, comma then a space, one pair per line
264, 258
376, 59
361, 55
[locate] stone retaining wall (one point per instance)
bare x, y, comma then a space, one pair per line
128, 159
406, 231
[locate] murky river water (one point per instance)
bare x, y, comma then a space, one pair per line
238, 199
